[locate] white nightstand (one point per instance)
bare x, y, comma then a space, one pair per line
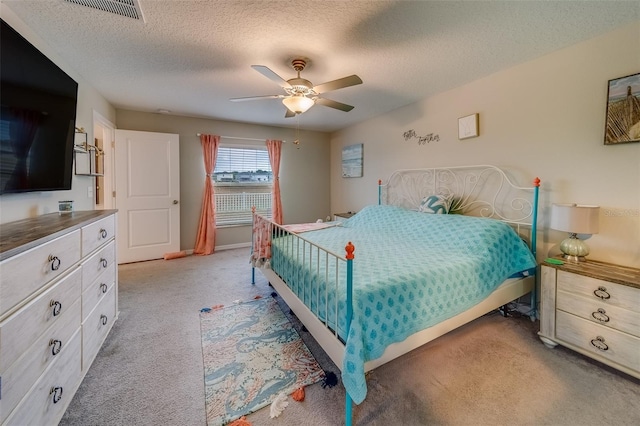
342, 216
593, 308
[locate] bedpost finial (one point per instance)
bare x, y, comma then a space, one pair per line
536, 181
379, 181
350, 248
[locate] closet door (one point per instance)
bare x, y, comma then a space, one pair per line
147, 175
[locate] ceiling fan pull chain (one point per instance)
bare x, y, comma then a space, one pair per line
297, 141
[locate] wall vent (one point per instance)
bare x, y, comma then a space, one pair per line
127, 8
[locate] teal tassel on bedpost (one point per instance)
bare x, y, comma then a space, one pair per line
350, 248
534, 235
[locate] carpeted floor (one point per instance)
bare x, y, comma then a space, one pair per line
493, 371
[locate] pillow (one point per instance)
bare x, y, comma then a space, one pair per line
435, 204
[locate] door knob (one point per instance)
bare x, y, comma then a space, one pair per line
175, 201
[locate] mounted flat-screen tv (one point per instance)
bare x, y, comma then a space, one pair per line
37, 119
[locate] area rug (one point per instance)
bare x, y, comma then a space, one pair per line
251, 353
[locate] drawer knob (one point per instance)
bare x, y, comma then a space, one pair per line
57, 307
57, 346
57, 393
599, 343
601, 292
55, 262
103, 233
103, 288
600, 315
103, 262
103, 319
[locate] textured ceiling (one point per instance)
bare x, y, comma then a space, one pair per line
191, 56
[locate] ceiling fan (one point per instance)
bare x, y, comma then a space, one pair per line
301, 94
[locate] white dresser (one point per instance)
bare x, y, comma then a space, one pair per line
58, 301
593, 308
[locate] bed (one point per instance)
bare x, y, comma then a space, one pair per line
398, 274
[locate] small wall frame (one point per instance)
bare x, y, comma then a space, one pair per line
352, 157
468, 126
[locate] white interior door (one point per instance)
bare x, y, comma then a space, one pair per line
147, 194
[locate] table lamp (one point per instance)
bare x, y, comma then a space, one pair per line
575, 219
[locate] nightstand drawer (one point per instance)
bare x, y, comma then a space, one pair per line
595, 289
598, 312
598, 340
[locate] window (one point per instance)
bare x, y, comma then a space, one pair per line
242, 179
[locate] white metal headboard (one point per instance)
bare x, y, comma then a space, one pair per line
479, 190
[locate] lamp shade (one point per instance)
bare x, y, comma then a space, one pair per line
575, 218
298, 104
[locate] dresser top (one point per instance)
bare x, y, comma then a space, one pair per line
624, 275
22, 235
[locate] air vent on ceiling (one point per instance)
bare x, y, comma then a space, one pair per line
127, 8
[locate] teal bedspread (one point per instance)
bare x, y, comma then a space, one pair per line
411, 271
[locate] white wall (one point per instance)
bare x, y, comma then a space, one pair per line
21, 206
304, 169
542, 118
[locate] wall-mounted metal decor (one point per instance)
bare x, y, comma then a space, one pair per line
623, 110
422, 140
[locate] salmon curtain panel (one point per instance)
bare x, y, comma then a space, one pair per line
274, 148
206, 238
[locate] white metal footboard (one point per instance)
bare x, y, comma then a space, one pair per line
314, 282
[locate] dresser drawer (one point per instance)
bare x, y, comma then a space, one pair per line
50, 396
598, 312
47, 348
96, 327
607, 292
25, 273
598, 340
98, 263
23, 328
97, 290
97, 233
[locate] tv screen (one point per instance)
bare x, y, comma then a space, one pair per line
37, 118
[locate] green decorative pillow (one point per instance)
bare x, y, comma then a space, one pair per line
435, 204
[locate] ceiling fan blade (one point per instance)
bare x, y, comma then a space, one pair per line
271, 76
340, 83
289, 113
256, 98
334, 104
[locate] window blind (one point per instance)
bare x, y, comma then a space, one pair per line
243, 179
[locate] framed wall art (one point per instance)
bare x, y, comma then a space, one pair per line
468, 127
352, 156
623, 110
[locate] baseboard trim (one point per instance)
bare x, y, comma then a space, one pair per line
233, 246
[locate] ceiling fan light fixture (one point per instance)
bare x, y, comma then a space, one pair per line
298, 104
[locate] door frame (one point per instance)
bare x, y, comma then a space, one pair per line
105, 130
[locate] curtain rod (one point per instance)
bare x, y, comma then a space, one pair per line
242, 139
